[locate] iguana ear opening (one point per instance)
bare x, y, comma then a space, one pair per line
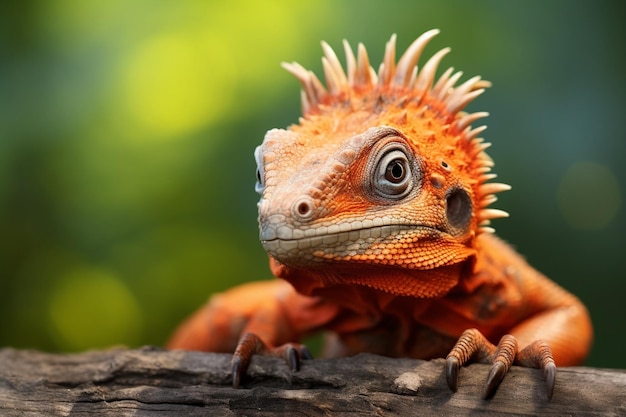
458, 209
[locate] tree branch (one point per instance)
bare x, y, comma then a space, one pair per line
150, 381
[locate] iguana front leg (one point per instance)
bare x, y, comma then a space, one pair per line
556, 331
263, 334
259, 318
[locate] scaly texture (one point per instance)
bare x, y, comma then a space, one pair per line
375, 211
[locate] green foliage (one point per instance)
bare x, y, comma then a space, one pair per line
127, 130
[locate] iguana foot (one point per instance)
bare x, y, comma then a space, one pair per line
472, 346
250, 345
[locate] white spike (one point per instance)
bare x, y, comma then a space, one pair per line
311, 85
483, 84
297, 71
470, 133
427, 74
464, 88
364, 70
491, 213
305, 103
413, 77
459, 102
487, 229
316, 87
388, 66
436, 90
335, 66
469, 119
409, 59
488, 200
332, 83
494, 187
483, 146
373, 76
448, 89
350, 62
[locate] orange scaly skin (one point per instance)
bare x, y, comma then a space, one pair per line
374, 211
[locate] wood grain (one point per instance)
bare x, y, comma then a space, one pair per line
151, 381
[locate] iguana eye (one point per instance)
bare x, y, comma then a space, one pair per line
395, 174
396, 171
258, 187
260, 174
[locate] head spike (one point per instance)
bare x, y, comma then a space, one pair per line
447, 88
465, 93
486, 175
311, 85
388, 66
365, 74
471, 134
350, 62
332, 81
409, 59
441, 85
305, 104
488, 200
494, 188
333, 71
468, 119
490, 213
426, 76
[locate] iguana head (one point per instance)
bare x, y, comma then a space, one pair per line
383, 178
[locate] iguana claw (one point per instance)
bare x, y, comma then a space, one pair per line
473, 346
496, 375
250, 345
452, 372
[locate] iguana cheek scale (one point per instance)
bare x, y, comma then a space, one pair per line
375, 212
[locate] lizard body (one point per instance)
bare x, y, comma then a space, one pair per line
375, 213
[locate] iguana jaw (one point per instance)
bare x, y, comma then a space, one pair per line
348, 241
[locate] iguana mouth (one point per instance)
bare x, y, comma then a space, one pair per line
328, 242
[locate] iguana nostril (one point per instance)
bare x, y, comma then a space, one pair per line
303, 208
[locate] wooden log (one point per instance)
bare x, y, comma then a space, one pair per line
152, 381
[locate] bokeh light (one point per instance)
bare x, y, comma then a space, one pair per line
174, 88
88, 308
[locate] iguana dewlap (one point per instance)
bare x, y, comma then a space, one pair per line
375, 213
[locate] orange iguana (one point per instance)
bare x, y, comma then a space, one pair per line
374, 212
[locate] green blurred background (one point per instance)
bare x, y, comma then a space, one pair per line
127, 129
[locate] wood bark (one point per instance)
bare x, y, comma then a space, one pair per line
151, 381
